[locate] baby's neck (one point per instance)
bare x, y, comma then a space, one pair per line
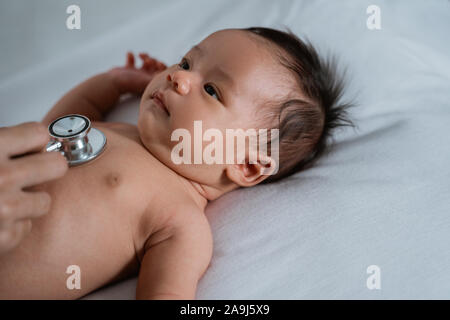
202, 193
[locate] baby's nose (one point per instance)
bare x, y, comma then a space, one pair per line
179, 82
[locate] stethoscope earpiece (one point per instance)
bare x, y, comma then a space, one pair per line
73, 136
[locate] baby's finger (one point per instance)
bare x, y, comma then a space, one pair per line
144, 56
150, 64
161, 66
147, 61
130, 60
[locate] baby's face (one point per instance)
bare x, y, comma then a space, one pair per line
221, 82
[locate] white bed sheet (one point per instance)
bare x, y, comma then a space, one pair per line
379, 198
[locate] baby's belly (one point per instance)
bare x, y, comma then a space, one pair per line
92, 226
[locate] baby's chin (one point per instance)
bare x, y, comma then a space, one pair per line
149, 136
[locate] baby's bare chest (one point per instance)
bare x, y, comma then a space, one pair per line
110, 197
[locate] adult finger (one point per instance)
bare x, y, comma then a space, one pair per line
23, 138
21, 205
33, 169
11, 238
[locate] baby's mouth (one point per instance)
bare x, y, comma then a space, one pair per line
158, 99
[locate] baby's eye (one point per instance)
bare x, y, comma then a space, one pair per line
184, 64
211, 91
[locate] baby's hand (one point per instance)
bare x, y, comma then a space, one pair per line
131, 79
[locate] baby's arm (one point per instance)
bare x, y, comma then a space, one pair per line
172, 268
94, 97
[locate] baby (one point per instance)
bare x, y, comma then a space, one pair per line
133, 210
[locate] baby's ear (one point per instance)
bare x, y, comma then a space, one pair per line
249, 174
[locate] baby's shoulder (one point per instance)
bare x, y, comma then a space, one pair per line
182, 219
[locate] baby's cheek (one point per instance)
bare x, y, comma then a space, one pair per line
147, 90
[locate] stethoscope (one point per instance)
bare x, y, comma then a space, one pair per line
73, 136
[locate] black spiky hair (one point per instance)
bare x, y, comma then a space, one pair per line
305, 125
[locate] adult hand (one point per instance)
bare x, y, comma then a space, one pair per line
17, 206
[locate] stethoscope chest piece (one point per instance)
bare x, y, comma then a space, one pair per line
73, 136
